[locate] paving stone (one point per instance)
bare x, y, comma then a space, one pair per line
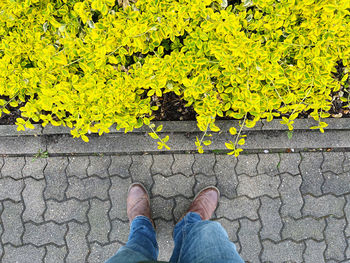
292, 201
118, 194
65, 211
102, 253
231, 228
314, 251
162, 164
238, 208
346, 164
310, 168
173, 185
23, 254
13, 167
86, 188
11, 222
203, 181
181, 206
258, 185
43, 234
78, 166
11, 189
204, 164
34, 167
120, 231
323, 206
76, 242
55, 254
183, 164
335, 239
347, 215
33, 200
247, 164
268, 164
99, 221
120, 165
285, 251
289, 163
99, 166
1, 163
226, 175
303, 228
333, 161
348, 249
56, 180
164, 238
140, 170
337, 184
249, 240
270, 218
162, 208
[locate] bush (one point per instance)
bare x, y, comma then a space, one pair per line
89, 64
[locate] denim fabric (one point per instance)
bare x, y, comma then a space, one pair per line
196, 241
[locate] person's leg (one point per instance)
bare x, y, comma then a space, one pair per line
142, 244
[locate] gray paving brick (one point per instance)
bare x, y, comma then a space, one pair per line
249, 240
183, 164
55, 175
323, 206
337, 184
226, 175
46, 233
346, 164
335, 239
99, 166
347, 215
11, 189
162, 208
55, 254
333, 161
231, 228
268, 164
88, 188
173, 185
238, 208
247, 164
303, 228
76, 242
99, 221
65, 211
140, 170
101, 253
118, 194
162, 164
203, 181
120, 231
120, 165
289, 163
1, 163
285, 251
11, 222
204, 164
314, 251
34, 167
23, 254
164, 238
77, 166
347, 253
33, 200
270, 218
181, 206
258, 185
292, 201
13, 167
310, 168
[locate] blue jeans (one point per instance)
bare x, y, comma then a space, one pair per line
196, 241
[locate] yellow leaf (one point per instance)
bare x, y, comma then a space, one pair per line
85, 138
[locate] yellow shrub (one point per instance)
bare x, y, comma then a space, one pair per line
89, 64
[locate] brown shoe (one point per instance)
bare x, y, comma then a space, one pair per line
205, 202
138, 203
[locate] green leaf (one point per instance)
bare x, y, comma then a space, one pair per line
290, 134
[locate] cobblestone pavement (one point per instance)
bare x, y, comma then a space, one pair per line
275, 207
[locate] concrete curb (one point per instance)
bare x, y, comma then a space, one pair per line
264, 137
